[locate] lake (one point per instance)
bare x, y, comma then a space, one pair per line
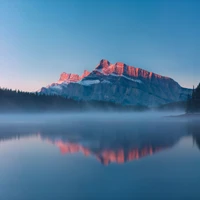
99, 156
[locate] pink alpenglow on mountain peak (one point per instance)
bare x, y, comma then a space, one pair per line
85, 73
65, 77
68, 77
106, 68
119, 68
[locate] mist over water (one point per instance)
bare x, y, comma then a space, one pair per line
143, 155
55, 117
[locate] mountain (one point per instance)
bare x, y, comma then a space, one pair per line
119, 83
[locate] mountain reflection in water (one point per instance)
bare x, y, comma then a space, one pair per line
109, 142
106, 156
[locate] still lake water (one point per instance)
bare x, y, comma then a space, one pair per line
96, 156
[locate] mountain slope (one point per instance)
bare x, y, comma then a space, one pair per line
121, 84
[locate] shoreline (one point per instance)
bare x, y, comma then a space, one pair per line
187, 115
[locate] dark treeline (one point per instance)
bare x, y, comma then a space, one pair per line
17, 101
193, 103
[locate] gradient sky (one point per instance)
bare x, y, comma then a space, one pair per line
39, 39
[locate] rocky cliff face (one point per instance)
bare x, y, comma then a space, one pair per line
72, 78
119, 83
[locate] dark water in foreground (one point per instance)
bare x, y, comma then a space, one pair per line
113, 157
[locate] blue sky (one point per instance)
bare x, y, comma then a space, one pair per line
42, 38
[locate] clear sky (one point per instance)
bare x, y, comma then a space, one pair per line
39, 39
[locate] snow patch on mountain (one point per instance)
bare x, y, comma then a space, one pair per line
130, 79
106, 82
89, 82
57, 87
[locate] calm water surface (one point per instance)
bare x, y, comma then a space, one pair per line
99, 157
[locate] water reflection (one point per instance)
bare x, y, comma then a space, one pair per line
107, 141
109, 155
194, 130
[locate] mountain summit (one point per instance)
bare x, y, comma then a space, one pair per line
120, 69
119, 83
64, 77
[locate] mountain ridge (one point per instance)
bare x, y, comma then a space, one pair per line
121, 68
108, 68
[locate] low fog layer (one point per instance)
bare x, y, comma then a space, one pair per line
90, 116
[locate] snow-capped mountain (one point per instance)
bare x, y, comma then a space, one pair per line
119, 83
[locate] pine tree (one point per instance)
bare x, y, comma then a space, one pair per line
189, 103
193, 103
